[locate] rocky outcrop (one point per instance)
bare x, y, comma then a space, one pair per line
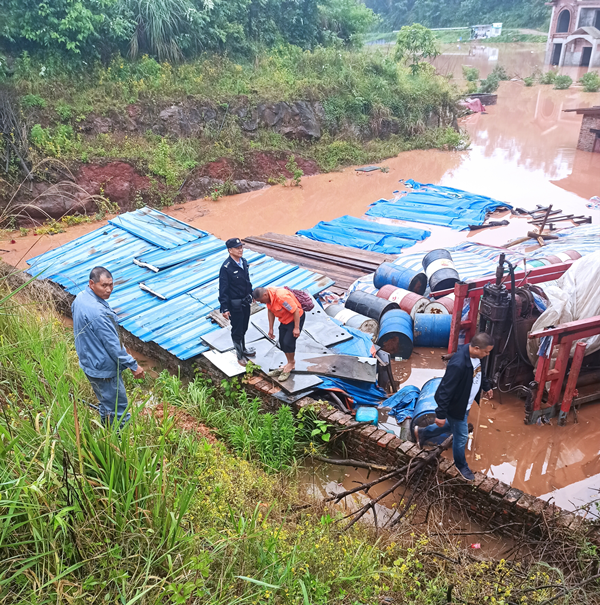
47, 200
197, 187
300, 120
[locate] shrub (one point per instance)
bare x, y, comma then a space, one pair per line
590, 81
471, 74
490, 84
64, 111
562, 82
529, 81
33, 101
500, 73
548, 77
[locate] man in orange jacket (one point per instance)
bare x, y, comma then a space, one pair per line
281, 303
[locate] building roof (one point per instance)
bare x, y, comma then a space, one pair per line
587, 30
166, 276
585, 111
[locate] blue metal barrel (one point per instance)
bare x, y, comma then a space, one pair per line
432, 330
396, 333
440, 270
401, 277
369, 305
424, 413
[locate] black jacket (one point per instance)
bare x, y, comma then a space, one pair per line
234, 286
453, 393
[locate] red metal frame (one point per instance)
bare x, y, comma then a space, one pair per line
474, 291
563, 336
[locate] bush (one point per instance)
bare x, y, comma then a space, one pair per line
500, 73
33, 101
490, 84
548, 77
590, 81
529, 81
471, 74
562, 82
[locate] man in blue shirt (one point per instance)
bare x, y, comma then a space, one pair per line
102, 356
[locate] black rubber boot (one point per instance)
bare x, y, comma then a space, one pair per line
248, 351
239, 351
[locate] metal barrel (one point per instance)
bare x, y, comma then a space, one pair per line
424, 413
432, 330
440, 270
401, 277
352, 319
396, 334
369, 305
411, 302
441, 306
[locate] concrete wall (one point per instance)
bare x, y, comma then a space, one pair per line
586, 137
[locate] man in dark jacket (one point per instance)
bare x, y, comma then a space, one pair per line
460, 387
235, 296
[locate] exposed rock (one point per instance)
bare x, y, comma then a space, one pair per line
244, 186
118, 181
298, 120
48, 200
198, 186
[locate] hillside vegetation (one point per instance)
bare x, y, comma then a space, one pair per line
460, 13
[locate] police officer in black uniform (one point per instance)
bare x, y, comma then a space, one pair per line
235, 296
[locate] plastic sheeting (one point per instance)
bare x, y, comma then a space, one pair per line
437, 205
365, 235
362, 393
403, 403
574, 297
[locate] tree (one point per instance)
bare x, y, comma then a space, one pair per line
347, 20
416, 43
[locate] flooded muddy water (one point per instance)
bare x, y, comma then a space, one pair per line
321, 481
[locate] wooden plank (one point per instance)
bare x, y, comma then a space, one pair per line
304, 243
347, 261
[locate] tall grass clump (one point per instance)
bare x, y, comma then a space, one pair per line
82, 509
270, 438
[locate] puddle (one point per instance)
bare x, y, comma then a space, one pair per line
321, 480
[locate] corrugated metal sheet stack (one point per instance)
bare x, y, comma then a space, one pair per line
166, 276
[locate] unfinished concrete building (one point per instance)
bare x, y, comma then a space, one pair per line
574, 38
589, 137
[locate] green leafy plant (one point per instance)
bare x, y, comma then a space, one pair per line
590, 81
562, 82
33, 101
310, 423
64, 111
471, 74
500, 72
529, 81
416, 44
295, 170
490, 84
548, 77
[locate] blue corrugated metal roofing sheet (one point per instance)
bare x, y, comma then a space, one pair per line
186, 275
157, 228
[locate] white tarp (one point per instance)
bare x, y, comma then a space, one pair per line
576, 296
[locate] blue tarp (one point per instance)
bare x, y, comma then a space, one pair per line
402, 403
365, 235
363, 393
436, 205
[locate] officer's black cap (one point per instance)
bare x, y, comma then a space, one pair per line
234, 242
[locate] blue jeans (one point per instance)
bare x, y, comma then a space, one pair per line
460, 436
112, 399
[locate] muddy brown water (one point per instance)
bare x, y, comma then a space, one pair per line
523, 151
